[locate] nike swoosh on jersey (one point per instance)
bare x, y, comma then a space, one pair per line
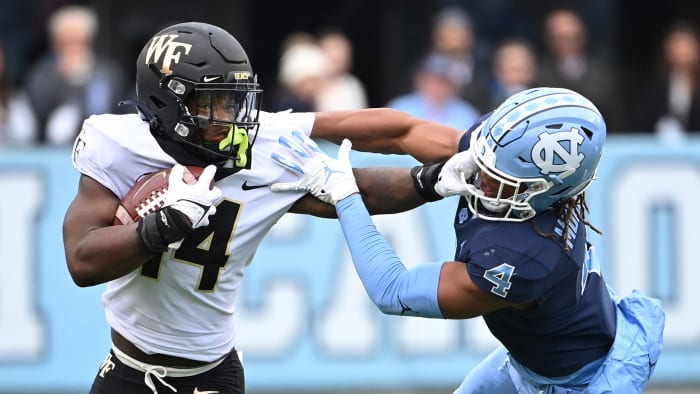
246, 186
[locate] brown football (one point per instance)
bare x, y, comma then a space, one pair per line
148, 194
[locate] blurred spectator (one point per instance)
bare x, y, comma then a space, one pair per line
670, 105
297, 38
71, 81
17, 123
514, 69
567, 64
435, 96
341, 89
302, 71
453, 36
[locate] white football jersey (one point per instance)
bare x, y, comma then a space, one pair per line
181, 303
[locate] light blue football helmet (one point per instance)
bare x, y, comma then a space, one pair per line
545, 143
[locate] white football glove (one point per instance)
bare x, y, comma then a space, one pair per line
452, 177
195, 201
329, 180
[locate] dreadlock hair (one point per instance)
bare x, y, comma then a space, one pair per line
568, 209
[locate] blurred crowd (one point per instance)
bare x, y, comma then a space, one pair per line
458, 77
64, 86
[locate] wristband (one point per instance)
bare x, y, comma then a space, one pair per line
424, 179
160, 229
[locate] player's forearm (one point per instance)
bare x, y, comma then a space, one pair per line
104, 254
375, 129
394, 289
386, 130
387, 190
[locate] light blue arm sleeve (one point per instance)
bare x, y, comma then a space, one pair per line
393, 288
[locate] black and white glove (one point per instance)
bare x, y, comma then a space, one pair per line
186, 207
196, 201
444, 179
329, 180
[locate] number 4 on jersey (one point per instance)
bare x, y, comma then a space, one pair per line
212, 258
500, 277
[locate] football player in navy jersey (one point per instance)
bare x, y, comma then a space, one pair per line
168, 300
522, 262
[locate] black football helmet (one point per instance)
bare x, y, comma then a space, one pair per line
198, 64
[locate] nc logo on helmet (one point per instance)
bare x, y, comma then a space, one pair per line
558, 152
165, 50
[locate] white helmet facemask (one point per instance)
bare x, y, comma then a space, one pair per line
499, 204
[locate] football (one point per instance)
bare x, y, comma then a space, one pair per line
148, 194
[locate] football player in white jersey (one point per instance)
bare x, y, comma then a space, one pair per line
169, 303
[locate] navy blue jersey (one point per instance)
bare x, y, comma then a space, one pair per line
572, 318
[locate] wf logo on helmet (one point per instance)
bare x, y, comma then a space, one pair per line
164, 48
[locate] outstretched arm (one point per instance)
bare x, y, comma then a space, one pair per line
386, 130
437, 290
392, 190
384, 190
